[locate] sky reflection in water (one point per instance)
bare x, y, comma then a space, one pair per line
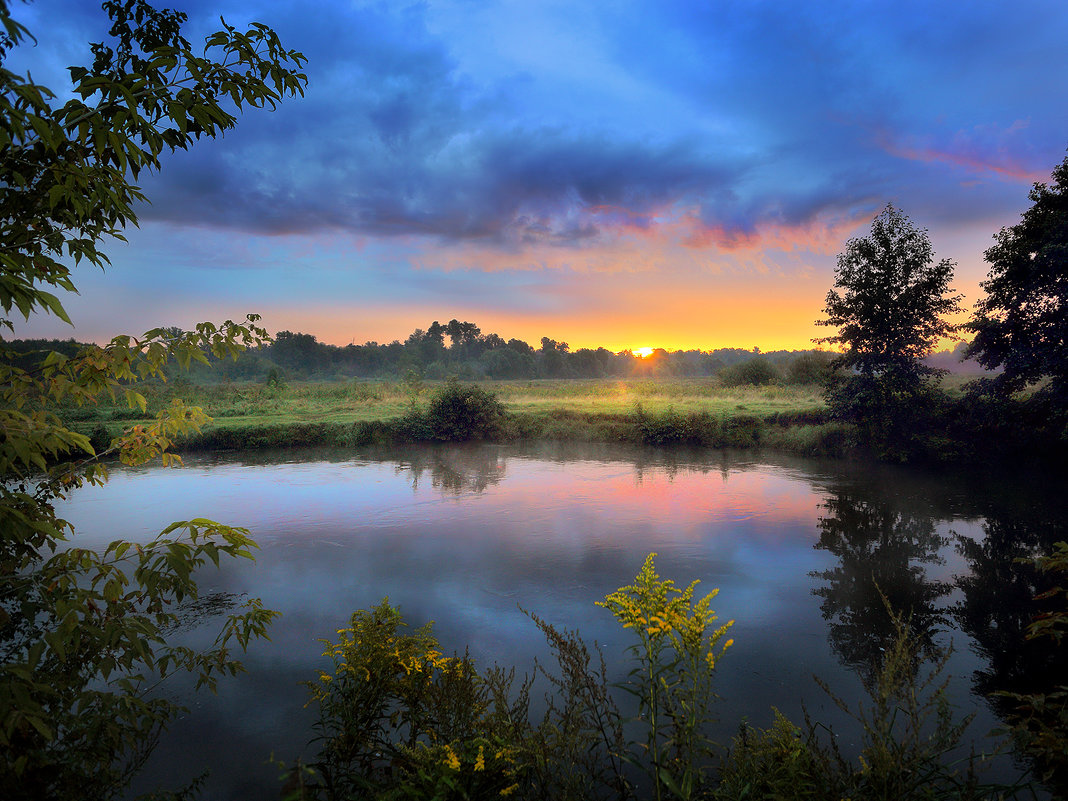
467, 535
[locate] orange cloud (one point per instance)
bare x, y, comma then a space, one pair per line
666, 239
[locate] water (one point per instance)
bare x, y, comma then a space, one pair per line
470, 536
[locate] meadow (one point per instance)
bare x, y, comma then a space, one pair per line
701, 412
240, 405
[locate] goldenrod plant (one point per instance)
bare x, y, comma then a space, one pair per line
676, 654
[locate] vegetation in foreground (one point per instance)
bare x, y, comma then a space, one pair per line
84, 633
399, 719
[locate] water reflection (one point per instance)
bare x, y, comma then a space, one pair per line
881, 552
453, 471
997, 605
464, 534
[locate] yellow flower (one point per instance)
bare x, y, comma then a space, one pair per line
507, 791
451, 759
480, 760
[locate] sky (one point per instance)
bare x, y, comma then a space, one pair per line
619, 174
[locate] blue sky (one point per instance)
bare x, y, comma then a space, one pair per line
672, 174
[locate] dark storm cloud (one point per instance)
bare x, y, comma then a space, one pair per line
824, 114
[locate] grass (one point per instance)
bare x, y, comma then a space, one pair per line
347, 402
696, 412
666, 412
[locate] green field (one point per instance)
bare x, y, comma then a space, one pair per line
247, 404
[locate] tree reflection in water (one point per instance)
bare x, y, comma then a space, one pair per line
997, 607
454, 471
881, 552
884, 551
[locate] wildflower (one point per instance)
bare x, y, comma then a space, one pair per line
507, 791
451, 759
480, 760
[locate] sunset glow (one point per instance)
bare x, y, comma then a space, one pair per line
681, 173
643, 352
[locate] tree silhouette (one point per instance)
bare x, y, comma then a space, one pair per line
1022, 323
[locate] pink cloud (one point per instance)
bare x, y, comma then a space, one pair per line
984, 148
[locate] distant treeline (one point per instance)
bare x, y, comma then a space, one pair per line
460, 349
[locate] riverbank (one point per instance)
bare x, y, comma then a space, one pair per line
654, 412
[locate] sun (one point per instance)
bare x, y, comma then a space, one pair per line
642, 352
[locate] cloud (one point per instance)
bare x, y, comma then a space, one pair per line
716, 126
394, 140
982, 149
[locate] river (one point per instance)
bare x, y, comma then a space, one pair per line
469, 536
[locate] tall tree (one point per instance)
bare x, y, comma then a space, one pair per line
890, 299
81, 631
889, 303
1021, 325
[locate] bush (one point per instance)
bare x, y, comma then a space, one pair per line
900, 418
911, 744
809, 368
275, 379
459, 412
1040, 720
755, 372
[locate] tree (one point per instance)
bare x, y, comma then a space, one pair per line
1022, 323
889, 303
890, 312
82, 632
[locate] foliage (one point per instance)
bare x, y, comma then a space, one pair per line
1040, 720
756, 372
774, 763
899, 418
892, 299
64, 171
809, 368
676, 655
396, 713
275, 379
398, 719
911, 743
890, 313
576, 752
462, 411
82, 632
1021, 325
910, 736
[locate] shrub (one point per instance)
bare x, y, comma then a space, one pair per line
462, 411
674, 659
810, 367
911, 744
398, 719
275, 379
756, 372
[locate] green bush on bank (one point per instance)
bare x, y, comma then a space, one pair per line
457, 412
